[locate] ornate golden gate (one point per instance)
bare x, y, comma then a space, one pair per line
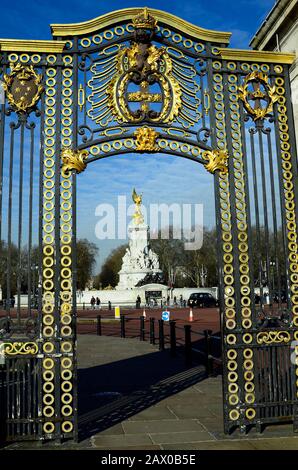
145, 81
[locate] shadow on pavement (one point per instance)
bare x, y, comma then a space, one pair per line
111, 393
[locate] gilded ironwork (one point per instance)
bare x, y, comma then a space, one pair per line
74, 160
144, 20
256, 56
146, 139
270, 337
23, 87
105, 21
141, 80
216, 160
144, 66
19, 348
256, 90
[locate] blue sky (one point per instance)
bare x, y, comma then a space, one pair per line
161, 178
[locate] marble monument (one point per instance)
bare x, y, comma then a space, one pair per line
139, 262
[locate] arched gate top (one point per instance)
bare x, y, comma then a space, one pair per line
120, 16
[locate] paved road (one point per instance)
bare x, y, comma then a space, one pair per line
131, 396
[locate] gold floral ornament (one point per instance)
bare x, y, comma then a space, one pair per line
23, 87
17, 348
258, 95
74, 160
269, 337
146, 139
216, 160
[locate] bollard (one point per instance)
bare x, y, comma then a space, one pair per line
161, 335
188, 351
117, 312
208, 357
173, 337
122, 326
98, 325
152, 330
142, 328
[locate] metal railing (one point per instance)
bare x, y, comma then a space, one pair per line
178, 344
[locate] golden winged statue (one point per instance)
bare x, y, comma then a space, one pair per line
137, 199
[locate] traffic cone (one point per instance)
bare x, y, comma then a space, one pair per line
190, 315
144, 313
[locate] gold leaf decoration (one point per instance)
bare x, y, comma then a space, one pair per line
18, 348
74, 160
269, 337
216, 160
23, 87
146, 139
262, 92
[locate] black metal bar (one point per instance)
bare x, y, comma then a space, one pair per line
187, 344
13, 127
152, 330
31, 269
2, 134
173, 337
209, 357
276, 268
142, 328
20, 222
265, 210
161, 338
252, 132
98, 325
122, 326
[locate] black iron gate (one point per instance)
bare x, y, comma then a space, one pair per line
139, 81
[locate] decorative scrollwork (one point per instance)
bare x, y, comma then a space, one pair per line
255, 90
23, 87
269, 337
216, 160
18, 348
74, 160
146, 139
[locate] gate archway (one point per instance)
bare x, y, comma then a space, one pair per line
145, 81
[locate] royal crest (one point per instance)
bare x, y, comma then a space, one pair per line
23, 88
258, 95
138, 83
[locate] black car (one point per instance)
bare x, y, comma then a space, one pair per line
202, 299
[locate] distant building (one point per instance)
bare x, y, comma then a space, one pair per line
279, 32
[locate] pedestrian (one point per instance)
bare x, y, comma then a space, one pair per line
168, 300
175, 300
98, 303
138, 302
109, 305
92, 302
181, 300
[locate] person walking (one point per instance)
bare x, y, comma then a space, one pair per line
98, 303
92, 302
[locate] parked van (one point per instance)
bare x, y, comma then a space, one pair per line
202, 299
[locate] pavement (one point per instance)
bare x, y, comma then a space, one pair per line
132, 396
